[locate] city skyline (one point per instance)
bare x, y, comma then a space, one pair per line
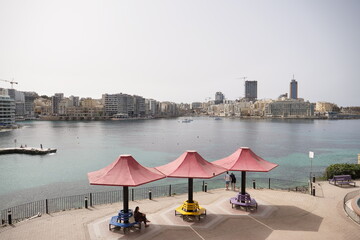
182, 51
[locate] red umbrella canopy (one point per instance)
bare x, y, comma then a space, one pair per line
191, 165
245, 160
125, 171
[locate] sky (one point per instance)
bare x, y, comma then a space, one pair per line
182, 50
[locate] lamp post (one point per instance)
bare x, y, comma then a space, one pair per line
311, 156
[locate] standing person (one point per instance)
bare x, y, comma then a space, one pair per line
140, 217
227, 180
41, 146
233, 181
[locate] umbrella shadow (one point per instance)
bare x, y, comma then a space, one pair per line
291, 218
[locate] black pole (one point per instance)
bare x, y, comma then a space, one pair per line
243, 182
126, 198
86, 202
190, 190
46, 206
9, 217
170, 190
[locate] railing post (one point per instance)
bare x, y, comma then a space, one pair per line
91, 203
132, 194
149, 194
46, 206
170, 190
269, 184
254, 184
9, 217
313, 190
86, 202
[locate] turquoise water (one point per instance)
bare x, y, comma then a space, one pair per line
89, 146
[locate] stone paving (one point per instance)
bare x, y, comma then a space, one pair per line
280, 215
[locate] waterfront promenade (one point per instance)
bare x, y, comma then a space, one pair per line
280, 215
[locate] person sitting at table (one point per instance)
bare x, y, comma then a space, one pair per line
140, 217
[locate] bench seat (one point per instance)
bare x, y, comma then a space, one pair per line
114, 221
342, 180
243, 201
190, 209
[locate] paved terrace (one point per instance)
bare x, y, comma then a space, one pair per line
280, 215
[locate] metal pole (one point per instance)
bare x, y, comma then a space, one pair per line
132, 194
254, 184
190, 190
150, 197
126, 199
269, 184
9, 217
243, 182
170, 190
91, 200
86, 202
46, 206
205, 187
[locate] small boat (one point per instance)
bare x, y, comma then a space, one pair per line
186, 120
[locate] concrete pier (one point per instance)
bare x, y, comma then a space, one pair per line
27, 150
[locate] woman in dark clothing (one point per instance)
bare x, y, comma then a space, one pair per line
140, 217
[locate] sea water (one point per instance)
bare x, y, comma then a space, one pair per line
85, 146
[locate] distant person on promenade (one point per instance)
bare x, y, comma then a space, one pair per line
227, 180
233, 181
41, 146
140, 217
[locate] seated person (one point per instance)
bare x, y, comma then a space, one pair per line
140, 217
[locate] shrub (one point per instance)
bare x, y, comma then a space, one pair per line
343, 169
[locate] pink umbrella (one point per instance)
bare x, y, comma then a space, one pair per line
245, 160
125, 171
190, 165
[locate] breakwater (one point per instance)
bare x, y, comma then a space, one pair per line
27, 150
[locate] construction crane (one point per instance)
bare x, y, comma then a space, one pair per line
11, 82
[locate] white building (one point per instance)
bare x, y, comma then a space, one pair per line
7, 109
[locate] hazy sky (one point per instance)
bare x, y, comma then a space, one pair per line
182, 51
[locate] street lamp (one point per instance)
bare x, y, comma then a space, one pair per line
311, 156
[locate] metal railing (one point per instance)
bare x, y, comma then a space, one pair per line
20, 212
350, 212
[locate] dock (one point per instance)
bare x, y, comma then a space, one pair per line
27, 150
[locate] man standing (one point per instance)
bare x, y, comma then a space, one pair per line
227, 180
233, 181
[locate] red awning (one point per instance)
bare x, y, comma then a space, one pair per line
191, 165
125, 171
245, 160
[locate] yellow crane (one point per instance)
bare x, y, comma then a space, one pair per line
11, 82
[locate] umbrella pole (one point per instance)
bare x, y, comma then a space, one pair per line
126, 201
190, 190
243, 182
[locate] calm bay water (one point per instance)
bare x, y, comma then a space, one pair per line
89, 146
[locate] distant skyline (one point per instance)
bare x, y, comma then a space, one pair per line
182, 50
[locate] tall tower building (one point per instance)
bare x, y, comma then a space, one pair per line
293, 89
219, 98
251, 90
